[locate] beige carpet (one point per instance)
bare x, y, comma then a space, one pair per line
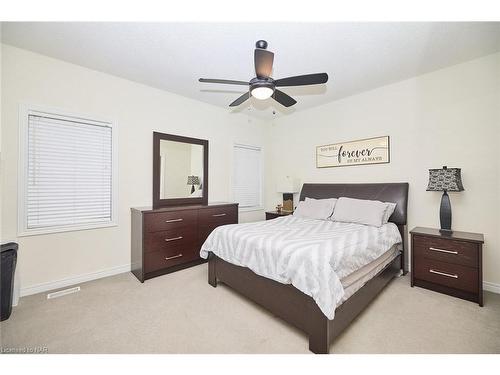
181, 313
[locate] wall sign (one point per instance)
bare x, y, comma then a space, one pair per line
363, 151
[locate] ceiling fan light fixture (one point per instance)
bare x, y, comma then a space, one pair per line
262, 92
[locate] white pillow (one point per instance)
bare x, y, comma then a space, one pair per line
390, 207
300, 210
320, 209
360, 211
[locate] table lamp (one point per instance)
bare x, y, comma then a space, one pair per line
193, 180
445, 180
288, 186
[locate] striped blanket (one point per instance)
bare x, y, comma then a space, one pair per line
312, 255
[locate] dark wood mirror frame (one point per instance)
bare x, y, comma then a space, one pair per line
157, 201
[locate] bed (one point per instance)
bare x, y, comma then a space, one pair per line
313, 312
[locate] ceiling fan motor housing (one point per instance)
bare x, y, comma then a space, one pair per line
261, 44
261, 82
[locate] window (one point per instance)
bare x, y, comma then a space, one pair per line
247, 177
66, 173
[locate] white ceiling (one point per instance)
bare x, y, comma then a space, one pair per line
172, 56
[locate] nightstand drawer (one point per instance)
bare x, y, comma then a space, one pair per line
272, 215
451, 275
275, 214
444, 250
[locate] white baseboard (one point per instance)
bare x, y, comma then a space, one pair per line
62, 283
491, 287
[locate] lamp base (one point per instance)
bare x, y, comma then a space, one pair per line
288, 202
445, 214
446, 232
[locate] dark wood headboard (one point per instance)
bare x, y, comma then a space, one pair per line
385, 192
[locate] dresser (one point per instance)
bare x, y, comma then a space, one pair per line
448, 263
168, 239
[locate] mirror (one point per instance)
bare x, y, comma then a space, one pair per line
179, 170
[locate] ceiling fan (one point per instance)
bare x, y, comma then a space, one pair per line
263, 86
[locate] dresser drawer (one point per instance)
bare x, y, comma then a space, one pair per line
165, 258
173, 238
448, 274
450, 251
218, 216
162, 221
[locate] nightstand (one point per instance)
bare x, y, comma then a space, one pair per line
448, 263
274, 214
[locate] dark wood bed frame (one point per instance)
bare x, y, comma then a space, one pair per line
299, 309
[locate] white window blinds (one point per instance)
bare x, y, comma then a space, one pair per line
247, 176
69, 168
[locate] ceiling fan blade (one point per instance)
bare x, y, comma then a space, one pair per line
240, 100
263, 62
283, 98
306, 79
225, 81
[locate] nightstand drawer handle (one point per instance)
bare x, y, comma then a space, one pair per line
218, 215
444, 274
443, 251
173, 257
172, 220
173, 239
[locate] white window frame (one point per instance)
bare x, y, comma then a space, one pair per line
260, 207
25, 110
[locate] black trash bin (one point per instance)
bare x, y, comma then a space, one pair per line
9, 257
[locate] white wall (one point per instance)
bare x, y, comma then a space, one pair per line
137, 111
448, 117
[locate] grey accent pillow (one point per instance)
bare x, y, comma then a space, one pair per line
360, 211
320, 209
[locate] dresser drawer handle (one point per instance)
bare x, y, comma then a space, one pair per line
173, 239
443, 274
173, 257
173, 220
443, 251
218, 215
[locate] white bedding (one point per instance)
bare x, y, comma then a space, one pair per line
312, 255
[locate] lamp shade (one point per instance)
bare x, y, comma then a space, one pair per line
193, 180
288, 185
445, 179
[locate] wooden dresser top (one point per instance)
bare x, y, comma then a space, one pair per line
182, 207
455, 235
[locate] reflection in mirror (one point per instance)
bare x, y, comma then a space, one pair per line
181, 170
